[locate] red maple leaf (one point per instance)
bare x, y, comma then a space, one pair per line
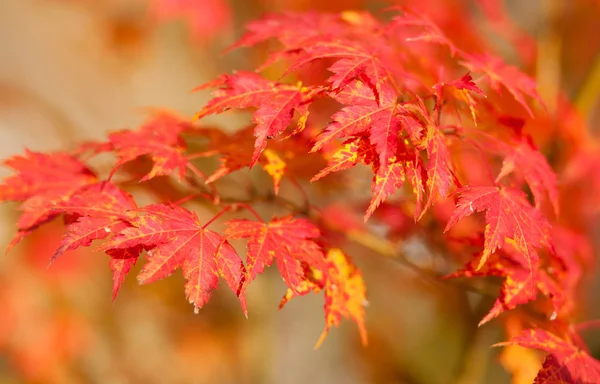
566, 362
508, 215
287, 240
463, 88
42, 181
440, 174
516, 82
431, 32
525, 159
100, 210
381, 118
291, 28
158, 138
520, 286
353, 59
405, 167
174, 238
275, 103
97, 212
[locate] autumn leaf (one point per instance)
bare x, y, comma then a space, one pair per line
499, 74
352, 152
440, 174
287, 240
121, 262
275, 167
345, 294
508, 215
174, 238
99, 211
41, 182
463, 88
354, 60
520, 286
344, 290
291, 28
364, 114
275, 103
158, 138
406, 167
566, 362
385, 182
525, 159
431, 33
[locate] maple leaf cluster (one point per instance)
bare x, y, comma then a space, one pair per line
443, 127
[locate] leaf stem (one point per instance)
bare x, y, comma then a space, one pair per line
249, 209
193, 196
199, 155
216, 199
221, 213
305, 199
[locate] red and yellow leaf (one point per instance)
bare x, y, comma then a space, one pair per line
174, 238
566, 362
275, 103
287, 240
344, 291
508, 216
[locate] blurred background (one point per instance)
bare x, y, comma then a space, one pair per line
74, 69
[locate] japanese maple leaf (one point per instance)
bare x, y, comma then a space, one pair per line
431, 32
463, 89
405, 167
204, 18
42, 181
275, 103
520, 286
524, 158
508, 215
345, 292
287, 240
291, 28
353, 59
440, 175
516, 82
174, 238
101, 210
566, 362
121, 262
158, 138
352, 152
381, 119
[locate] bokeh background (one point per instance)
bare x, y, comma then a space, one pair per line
74, 69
